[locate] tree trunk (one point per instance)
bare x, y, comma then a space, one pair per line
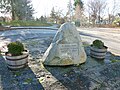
12, 11
13, 15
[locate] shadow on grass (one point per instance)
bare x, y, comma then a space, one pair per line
23, 79
69, 78
92, 74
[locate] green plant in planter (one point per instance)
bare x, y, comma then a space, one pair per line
17, 54
15, 48
98, 50
98, 44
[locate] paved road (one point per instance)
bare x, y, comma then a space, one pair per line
110, 36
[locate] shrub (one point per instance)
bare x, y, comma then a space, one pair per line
15, 48
98, 44
116, 22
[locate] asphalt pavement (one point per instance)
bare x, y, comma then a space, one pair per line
110, 37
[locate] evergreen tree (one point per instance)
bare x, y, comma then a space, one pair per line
20, 9
78, 2
53, 14
78, 11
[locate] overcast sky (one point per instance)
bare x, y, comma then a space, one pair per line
43, 7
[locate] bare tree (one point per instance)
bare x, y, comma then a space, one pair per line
115, 9
96, 9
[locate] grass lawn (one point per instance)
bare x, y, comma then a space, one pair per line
26, 23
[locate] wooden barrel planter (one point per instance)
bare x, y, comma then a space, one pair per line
98, 53
17, 62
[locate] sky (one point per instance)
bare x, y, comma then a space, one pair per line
44, 7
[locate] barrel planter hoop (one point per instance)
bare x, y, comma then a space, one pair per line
98, 53
17, 62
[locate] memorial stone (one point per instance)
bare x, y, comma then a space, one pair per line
66, 48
